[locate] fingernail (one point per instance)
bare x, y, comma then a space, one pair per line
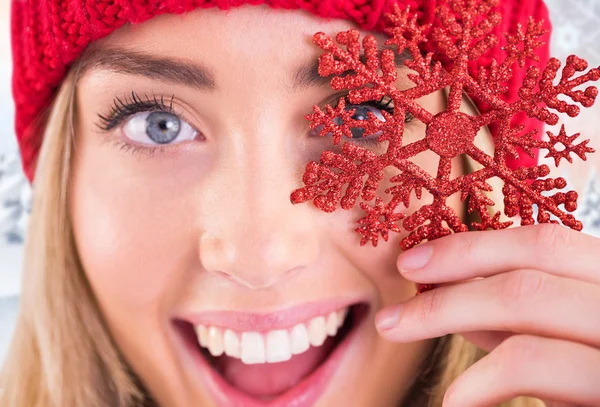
415, 258
388, 318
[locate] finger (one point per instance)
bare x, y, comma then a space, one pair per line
524, 365
462, 256
523, 301
487, 340
551, 403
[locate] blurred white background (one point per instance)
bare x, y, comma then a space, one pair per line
576, 30
10, 178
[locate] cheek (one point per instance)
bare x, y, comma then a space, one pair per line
131, 240
379, 263
132, 247
376, 264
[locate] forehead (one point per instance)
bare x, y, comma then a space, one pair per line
243, 34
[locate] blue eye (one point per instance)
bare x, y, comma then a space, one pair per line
361, 112
162, 127
158, 128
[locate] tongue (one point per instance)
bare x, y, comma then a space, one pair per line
271, 379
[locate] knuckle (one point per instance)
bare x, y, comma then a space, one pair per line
521, 285
550, 238
468, 245
431, 303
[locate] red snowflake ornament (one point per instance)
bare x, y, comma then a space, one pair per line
464, 34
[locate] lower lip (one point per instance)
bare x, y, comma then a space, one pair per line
304, 394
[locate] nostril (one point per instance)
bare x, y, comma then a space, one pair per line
224, 275
252, 262
259, 251
256, 280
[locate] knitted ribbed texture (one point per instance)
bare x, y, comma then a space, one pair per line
48, 35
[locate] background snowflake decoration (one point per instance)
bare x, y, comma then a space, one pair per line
464, 34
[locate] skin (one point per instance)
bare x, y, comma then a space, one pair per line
148, 256
535, 311
169, 234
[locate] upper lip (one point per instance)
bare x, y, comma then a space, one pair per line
243, 321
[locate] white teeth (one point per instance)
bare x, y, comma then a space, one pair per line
317, 332
202, 333
332, 324
341, 316
232, 344
278, 346
253, 348
215, 341
299, 339
272, 346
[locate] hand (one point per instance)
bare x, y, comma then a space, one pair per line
530, 296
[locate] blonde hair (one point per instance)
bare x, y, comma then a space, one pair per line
62, 354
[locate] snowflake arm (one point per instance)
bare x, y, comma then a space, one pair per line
463, 33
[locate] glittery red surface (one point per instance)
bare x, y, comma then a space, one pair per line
464, 34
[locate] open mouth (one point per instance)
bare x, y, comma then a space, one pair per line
271, 365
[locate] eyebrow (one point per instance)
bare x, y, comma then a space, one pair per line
191, 74
128, 62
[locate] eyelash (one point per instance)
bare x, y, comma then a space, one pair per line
122, 109
381, 104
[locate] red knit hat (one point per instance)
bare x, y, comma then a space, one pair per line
48, 35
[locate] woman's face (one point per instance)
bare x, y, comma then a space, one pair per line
184, 224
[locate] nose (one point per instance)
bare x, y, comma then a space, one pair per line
251, 232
